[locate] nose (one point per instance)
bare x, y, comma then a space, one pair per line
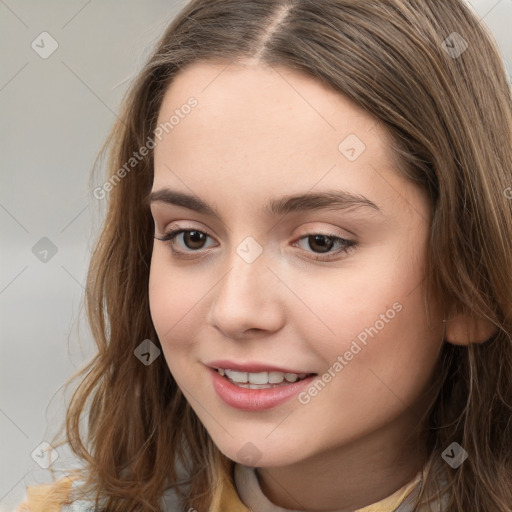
249, 297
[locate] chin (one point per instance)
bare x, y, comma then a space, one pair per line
260, 453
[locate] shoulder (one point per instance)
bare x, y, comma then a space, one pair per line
54, 497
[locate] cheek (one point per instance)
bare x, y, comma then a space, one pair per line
377, 368
173, 299
171, 306
359, 298
374, 317
398, 355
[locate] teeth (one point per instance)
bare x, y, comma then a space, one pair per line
275, 377
260, 378
255, 386
236, 376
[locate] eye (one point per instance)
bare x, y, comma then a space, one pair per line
325, 242
194, 241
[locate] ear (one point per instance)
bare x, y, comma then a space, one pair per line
463, 329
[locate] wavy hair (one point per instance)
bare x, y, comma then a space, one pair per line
450, 121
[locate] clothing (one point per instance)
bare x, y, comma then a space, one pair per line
250, 492
245, 496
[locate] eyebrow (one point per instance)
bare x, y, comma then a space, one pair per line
329, 199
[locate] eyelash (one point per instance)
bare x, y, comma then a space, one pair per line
169, 240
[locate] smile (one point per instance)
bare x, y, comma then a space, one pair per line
257, 391
260, 380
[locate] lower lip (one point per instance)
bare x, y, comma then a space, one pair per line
255, 399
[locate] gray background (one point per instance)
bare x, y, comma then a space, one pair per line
56, 113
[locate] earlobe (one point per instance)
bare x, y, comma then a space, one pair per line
463, 329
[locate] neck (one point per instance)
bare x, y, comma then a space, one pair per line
347, 478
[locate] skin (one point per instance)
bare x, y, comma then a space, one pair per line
256, 134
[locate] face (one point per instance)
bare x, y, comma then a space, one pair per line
327, 288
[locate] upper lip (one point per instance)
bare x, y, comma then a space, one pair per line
252, 367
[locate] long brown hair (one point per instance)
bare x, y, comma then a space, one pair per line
432, 75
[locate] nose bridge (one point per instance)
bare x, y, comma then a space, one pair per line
247, 271
248, 294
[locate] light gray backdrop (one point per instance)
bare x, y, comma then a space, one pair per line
57, 104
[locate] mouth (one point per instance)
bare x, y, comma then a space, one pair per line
261, 380
257, 390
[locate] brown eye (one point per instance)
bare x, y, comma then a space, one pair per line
194, 239
321, 242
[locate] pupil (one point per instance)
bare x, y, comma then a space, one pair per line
323, 246
194, 235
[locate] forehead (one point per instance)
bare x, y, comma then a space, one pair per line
274, 106
261, 129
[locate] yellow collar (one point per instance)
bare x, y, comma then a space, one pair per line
230, 501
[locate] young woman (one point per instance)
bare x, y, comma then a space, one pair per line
302, 294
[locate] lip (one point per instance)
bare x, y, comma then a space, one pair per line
253, 367
255, 399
